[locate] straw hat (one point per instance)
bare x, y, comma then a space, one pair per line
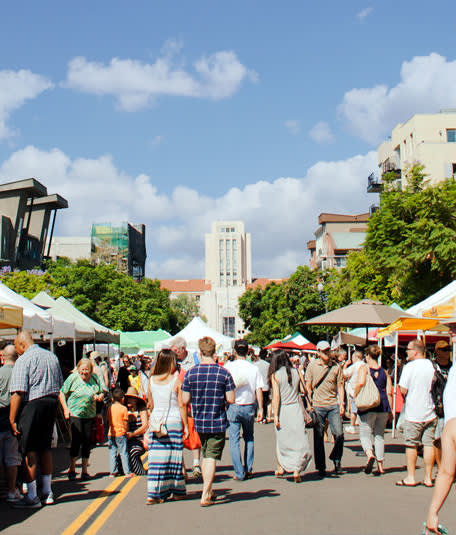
132, 393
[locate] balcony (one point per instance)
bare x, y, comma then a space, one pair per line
391, 167
374, 184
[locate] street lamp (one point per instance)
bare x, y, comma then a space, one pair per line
323, 299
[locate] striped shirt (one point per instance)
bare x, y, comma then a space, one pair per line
207, 385
37, 373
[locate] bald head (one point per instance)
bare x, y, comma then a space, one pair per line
23, 341
10, 354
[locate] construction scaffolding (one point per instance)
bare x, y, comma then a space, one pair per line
123, 246
110, 245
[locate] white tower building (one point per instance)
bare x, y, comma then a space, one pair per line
229, 271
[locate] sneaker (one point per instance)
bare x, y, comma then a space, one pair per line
14, 497
350, 429
48, 500
27, 503
196, 471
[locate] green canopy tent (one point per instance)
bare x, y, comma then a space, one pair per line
133, 341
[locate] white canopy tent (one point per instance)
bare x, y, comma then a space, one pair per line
442, 304
194, 331
40, 323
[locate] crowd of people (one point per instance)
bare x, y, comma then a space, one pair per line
189, 400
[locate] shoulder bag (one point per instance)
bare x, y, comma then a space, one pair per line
157, 426
368, 397
310, 416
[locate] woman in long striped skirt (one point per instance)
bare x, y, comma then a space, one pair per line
165, 476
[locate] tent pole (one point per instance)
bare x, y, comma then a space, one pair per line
74, 351
379, 360
395, 383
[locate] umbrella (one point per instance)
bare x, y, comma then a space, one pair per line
348, 339
292, 345
365, 313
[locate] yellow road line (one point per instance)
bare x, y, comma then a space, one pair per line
101, 519
88, 511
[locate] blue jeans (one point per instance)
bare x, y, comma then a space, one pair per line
335, 423
241, 416
118, 446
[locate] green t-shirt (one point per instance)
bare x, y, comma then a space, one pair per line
79, 394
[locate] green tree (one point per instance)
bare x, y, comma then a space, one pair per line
184, 309
277, 310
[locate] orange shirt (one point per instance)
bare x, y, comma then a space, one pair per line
118, 420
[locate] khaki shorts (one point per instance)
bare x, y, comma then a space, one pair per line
416, 433
212, 445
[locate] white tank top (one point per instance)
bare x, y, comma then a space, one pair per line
166, 405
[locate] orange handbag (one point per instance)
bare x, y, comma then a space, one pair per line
192, 442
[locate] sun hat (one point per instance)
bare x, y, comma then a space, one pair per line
132, 393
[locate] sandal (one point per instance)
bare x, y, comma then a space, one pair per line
369, 465
402, 483
153, 501
71, 475
440, 529
207, 503
279, 473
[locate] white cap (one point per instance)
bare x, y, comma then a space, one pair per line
323, 345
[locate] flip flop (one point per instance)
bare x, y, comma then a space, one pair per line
369, 465
402, 483
207, 503
428, 486
440, 529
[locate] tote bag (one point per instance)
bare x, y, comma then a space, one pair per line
369, 396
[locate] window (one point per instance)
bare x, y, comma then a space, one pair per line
232, 229
234, 282
451, 135
229, 326
197, 297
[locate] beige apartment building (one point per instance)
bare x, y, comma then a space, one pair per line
336, 236
429, 139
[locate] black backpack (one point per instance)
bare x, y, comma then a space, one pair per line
437, 388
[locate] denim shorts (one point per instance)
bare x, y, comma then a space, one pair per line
9, 449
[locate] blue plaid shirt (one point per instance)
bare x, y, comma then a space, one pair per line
37, 373
207, 385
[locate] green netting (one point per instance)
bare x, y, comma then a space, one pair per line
110, 244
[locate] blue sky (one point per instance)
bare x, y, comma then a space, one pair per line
175, 114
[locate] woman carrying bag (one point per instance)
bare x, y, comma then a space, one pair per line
373, 420
165, 477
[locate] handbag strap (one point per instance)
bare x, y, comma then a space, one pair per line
320, 381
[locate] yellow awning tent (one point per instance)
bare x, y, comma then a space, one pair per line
412, 324
10, 317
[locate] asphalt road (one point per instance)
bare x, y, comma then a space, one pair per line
352, 504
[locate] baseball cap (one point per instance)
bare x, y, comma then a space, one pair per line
442, 344
323, 345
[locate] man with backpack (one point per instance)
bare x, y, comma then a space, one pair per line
420, 418
442, 365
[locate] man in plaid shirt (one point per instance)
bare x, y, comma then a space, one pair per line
36, 379
209, 387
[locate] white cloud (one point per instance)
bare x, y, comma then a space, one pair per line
321, 133
293, 126
136, 84
427, 84
364, 13
281, 214
16, 87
